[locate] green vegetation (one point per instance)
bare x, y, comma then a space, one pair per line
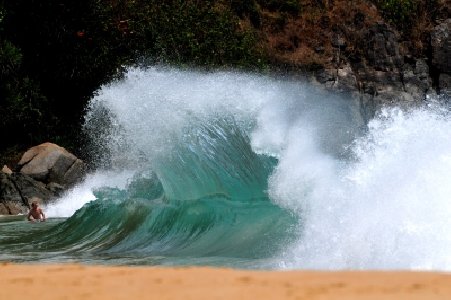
289, 6
22, 106
196, 33
406, 14
55, 54
399, 12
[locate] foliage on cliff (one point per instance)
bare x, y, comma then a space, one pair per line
54, 54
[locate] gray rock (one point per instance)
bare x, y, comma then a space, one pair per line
30, 188
51, 163
8, 190
441, 55
416, 79
382, 48
445, 84
55, 188
17, 189
441, 46
75, 173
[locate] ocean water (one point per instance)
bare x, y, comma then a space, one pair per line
249, 171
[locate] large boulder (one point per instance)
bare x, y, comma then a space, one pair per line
51, 163
45, 172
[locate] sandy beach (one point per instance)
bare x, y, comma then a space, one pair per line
99, 282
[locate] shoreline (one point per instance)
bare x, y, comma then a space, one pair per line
74, 281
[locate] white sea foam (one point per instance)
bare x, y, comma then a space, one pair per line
388, 209
82, 193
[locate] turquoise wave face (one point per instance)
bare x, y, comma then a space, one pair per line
187, 185
204, 202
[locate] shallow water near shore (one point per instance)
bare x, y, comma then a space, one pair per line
247, 171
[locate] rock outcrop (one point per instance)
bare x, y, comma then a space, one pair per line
358, 48
45, 171
380, 74
441, 55
17, 189
51, 163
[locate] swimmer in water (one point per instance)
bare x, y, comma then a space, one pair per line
36, 214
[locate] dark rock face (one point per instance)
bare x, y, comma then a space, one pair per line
8, 190
445, 83
415, 77
381, 73
388, 77
441, 55
46, 171
28, 188
382, 48
74, 173
16, 190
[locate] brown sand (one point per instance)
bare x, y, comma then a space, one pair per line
95, 282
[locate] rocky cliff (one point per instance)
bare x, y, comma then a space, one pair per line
353, 47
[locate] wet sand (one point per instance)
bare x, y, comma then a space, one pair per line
99, 282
